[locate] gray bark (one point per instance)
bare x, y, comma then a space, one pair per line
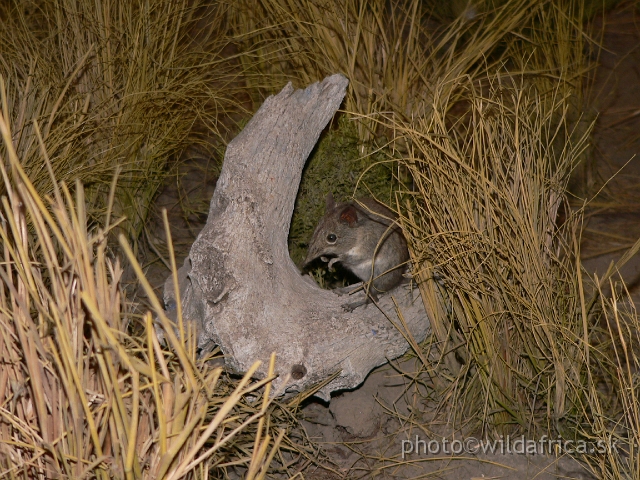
239, 285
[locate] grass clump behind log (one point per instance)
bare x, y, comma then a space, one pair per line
112, 87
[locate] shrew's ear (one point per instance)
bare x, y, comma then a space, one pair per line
349, 215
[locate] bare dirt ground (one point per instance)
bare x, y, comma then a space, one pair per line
359, 428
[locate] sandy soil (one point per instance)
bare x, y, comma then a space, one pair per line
358, 427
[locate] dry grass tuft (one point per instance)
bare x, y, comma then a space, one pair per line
79, 396
494, 245
496, 272
115, 88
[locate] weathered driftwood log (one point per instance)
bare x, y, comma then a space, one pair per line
239, 285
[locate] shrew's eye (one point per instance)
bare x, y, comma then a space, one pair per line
331, 238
